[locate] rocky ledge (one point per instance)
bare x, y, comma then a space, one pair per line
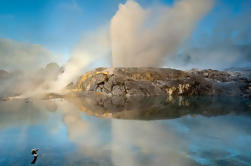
163, 81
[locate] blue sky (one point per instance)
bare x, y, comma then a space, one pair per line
58, 24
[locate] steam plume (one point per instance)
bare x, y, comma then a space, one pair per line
143, 37
92, 47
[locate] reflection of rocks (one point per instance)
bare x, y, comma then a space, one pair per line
47, 96
163, 107
163, 81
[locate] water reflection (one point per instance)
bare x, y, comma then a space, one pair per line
161, 107
183, 135
17, 112
188, 141
91, 136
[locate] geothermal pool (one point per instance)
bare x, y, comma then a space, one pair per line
67, 133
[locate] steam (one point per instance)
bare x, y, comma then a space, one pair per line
217, 57
24, 56
143, 37
137, 37
24, 63
226, 45
92, 47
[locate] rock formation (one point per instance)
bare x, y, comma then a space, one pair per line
163, 81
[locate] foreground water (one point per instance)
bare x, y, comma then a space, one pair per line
149, 132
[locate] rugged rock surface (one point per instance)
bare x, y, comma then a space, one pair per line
163, 81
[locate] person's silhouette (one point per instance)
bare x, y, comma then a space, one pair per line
35, 155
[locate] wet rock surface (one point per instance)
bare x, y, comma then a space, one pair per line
164, 81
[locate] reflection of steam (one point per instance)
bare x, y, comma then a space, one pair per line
19, 113
181, 142
176, 142
142, 38
146, 143
86, 135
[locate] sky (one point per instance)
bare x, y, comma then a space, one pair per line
58, 25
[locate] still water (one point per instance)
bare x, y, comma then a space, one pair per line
137, 132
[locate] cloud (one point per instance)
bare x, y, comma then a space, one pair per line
23, 56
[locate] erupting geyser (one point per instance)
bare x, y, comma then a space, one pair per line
143, 37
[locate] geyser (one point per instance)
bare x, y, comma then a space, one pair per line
143, 37
138, 37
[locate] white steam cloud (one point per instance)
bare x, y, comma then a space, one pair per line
22, 69
143, 37
24, 56
137, 38
92, 47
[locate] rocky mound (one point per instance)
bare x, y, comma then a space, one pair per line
163, 81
